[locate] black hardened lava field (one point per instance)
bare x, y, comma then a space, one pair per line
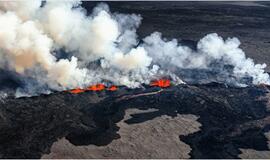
131, 80
230, 118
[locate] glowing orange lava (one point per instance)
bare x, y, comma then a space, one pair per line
163, 83
77, 91
97, 87
112, 88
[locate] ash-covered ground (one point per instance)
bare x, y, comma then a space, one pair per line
186, 121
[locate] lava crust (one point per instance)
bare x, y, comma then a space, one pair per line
230, 117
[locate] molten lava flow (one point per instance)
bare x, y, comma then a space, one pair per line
112, 88
76, 91
97, 87
163, 83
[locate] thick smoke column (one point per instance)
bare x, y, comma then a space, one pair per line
56, 45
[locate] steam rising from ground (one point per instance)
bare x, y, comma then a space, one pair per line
56, 45
213, 53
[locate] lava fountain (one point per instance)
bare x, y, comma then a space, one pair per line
163, 83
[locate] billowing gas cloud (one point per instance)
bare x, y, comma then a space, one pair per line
56, 45
211, 49
25, 47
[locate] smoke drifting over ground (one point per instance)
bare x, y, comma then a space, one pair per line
57, 46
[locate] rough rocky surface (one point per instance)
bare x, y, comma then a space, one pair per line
162, 141
253, 154
185, 121
211, 121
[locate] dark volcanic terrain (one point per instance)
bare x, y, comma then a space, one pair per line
228, 119
185, 121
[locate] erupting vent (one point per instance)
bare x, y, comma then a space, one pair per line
97, 87
163, 83
112, 88
77, 91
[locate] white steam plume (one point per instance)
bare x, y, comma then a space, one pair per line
210, 49
58, 46
25, 10
25, 47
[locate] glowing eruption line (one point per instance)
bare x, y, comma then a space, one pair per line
77, 91
97, 87
112, 88
163, 83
